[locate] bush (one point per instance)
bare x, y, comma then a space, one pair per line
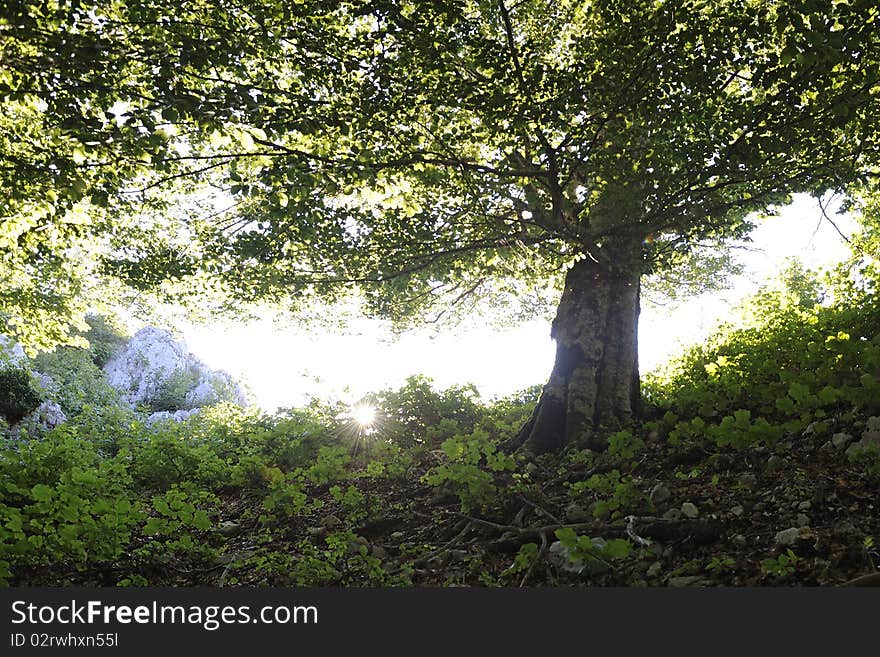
17, 395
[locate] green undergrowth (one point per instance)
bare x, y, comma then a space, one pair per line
427, 495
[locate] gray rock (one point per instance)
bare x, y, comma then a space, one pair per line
655, 569
356, 546
171, 416
153, 366
560, 556
660, 493
802, 520
873, 423
689, 510
331, 522
841, 440
379, 552
46, 417
747, 479
11, 354
790, 536
575, 512
397, 536
672, 514
229, 528
817, 428
739, 540
737, 510
806, 505
869, 442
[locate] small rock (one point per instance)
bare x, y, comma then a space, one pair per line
802, 520
316, 531
747, 479
531, 468
681, 582
672, 514
575, 512
331, 522
560, 556
739, 540
870, 441
873, 423
379, 552
737, 510
397, 536
790, 536
229, 528
356, 546
806, 505
660, 493
841, 440
654, 569
818, 428
689, 510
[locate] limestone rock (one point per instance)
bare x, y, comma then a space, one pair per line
575, 512
11, 353
171, 416
792, 535
870, 440
689, 510
46, 417
156, 370
560, 556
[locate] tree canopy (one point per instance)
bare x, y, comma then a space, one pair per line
424, 155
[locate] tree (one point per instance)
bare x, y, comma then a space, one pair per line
427, 154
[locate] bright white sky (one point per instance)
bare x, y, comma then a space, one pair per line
283, 366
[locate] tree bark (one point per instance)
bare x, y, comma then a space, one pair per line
595, 379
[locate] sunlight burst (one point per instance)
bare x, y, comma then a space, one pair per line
364, 415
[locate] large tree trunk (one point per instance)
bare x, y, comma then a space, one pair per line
595, 380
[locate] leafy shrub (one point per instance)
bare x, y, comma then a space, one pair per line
18, 397
592, 553
171, 392
473, 460
617, 493
81, 382
61, 502
165, 455
791, 361
179, 521
416, 414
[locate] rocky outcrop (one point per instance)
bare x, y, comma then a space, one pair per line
11, 353
870, 441
159, 372
47, 416
171, 416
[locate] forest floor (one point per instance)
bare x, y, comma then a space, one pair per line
797, 513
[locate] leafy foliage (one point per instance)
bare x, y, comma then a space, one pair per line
17, 394
794, 361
